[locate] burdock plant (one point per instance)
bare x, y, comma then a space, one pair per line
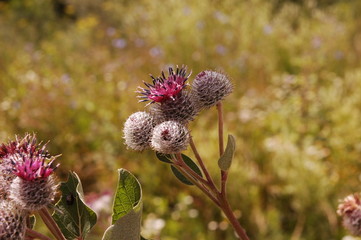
173, 104
28, 185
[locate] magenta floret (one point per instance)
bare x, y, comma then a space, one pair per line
163, 87
34, 168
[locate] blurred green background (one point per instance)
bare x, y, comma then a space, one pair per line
69, 71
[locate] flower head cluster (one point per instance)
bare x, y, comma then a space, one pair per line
27, 177
350, 210
173, 105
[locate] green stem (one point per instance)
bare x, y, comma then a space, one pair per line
51, 224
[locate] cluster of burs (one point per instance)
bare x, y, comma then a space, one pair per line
172, 104
27, 184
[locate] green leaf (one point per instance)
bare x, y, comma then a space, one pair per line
191, 164
127, 209
73, 216
187, 160
167, 158
225, 160
128, 195
180, 176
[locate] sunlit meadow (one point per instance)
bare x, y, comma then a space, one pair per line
69, 71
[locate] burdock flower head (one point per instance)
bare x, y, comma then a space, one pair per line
350, 211
210, 87
170, 137
11, 154
32, 184
137, 130
163, 87
173, 101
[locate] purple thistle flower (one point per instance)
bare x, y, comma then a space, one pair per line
26, 146
27, 158
34, 168
163, 87
26, 170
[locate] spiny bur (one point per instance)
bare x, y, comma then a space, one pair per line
170, 137
137, 130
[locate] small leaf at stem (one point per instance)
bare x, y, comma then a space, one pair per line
73, 216
167, 158
192, 165
180, 176
225, 160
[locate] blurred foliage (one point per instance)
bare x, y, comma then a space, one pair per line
69, 69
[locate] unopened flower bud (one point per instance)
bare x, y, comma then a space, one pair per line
210, 87
350, 211
170, 137
12, 221
137, 130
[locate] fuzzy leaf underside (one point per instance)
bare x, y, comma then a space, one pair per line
225, 160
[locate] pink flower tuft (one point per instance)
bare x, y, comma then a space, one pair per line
26, 158
165, 88
34, 168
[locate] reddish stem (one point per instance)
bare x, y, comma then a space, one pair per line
31, 234
179, 161
220, 128
203, 167
224, 174
226, 208
51, 224
196, 183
